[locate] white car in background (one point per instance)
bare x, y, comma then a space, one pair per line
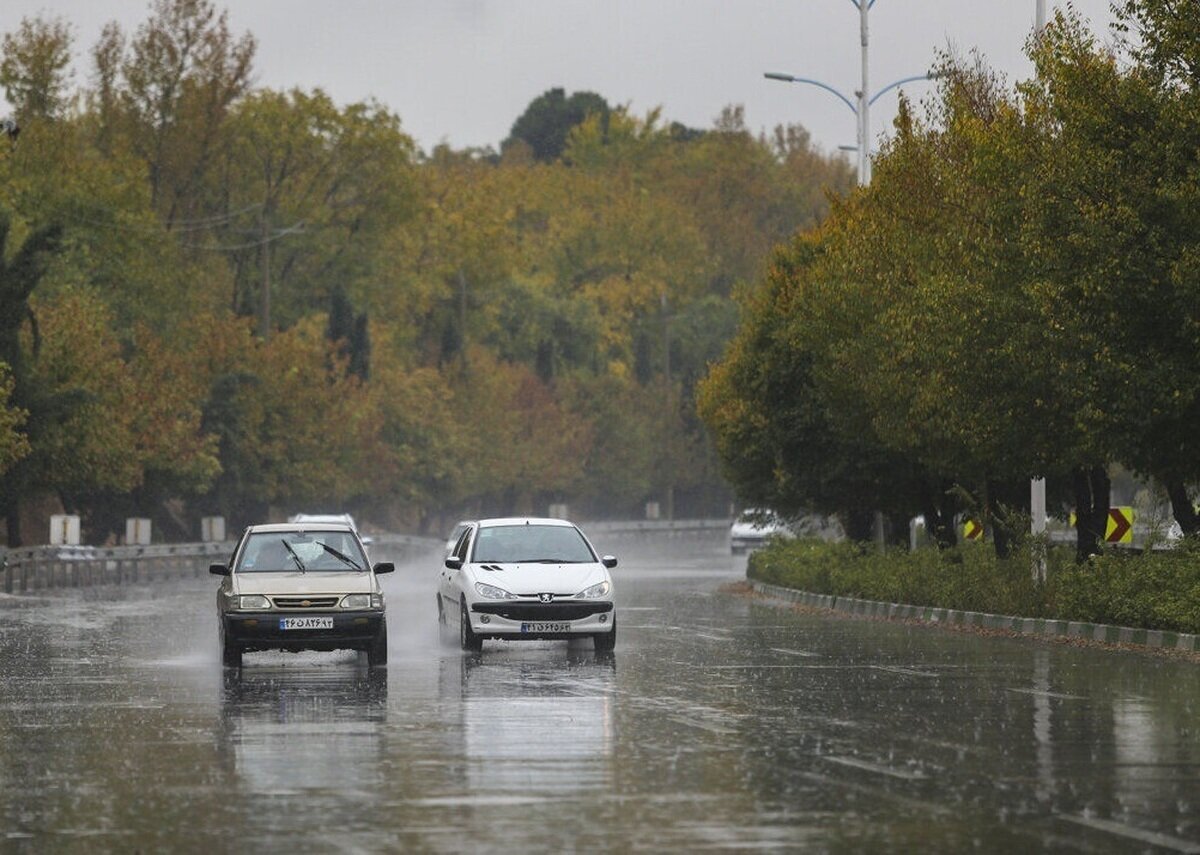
344, 519
527, 578
753, 528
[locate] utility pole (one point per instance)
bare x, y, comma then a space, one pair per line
864, 98
1037, 486
264, 250
668, 443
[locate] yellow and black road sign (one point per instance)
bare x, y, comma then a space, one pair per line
972, 529
1118, 528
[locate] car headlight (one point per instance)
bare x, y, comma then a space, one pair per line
600, 589
356, 601
491, 592
253, 602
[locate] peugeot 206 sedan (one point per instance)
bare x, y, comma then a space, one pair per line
300, 586
516, 579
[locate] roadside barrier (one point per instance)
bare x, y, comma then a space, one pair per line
1045, 627
38, 568
34, 568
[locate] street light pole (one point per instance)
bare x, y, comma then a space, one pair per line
864, 105
1037, 486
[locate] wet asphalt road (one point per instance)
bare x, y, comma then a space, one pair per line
719, 723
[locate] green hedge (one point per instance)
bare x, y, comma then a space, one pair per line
1158, 590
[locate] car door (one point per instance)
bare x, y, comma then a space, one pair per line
452, 579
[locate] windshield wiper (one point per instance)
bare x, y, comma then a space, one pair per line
295, 557
547, 561
339, 555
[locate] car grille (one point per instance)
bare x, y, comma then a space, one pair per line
539, 611
304, 602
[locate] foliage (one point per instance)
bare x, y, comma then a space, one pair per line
1013, 296
549, 118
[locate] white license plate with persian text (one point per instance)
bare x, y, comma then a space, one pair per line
542, 626
306, 623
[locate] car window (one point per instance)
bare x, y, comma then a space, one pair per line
460, 548
531, 543
310, 550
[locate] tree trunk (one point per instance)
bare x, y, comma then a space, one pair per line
12, 521
859, 525
1092, 489
1182, 507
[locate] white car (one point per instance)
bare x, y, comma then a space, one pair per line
753, 528
526, 578
345, 519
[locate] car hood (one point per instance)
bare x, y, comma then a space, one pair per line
533, 579
341, 582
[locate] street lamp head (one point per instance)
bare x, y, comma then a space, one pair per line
775, 75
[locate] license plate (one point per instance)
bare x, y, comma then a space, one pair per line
306, 623
545, 627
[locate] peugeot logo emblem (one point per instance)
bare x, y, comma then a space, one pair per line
546, 598
305, 603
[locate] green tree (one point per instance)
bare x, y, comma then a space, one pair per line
35, 68
549, 118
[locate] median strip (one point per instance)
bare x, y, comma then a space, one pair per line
1046, 628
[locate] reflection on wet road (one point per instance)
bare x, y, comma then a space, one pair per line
718, 723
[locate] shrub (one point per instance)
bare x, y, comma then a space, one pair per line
1154, 590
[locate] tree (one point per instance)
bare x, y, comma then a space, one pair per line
549, 118
35, 68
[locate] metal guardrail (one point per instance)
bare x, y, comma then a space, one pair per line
34, 568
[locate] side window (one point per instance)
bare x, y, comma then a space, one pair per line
460, 548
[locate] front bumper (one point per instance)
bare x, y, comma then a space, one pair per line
534, 620
262, 630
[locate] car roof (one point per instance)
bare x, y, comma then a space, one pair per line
317, 525
499, 521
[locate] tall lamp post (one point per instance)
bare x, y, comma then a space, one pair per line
1037, 486
861, 111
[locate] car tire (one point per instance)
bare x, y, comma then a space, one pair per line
467, 638
231, 654
377, 653
606, 642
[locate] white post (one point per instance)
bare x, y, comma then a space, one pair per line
1037, 526
864, 101
1041, 15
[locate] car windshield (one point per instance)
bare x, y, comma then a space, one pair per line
544, 544
307, 551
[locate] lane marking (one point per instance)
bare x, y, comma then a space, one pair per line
1132, 832
785, 651
875, 767
1041, 693
896, 669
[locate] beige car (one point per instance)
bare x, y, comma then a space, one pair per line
300, 586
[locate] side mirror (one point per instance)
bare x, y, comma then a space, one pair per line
454, 562
218, 569
609, 561
384, 567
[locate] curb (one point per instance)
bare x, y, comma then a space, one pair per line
1045, 627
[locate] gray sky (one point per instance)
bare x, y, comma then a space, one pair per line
461, 71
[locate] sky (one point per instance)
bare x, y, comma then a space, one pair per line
461, 71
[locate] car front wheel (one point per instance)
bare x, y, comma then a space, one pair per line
231, 654
466, 636
377, 653
606, 642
